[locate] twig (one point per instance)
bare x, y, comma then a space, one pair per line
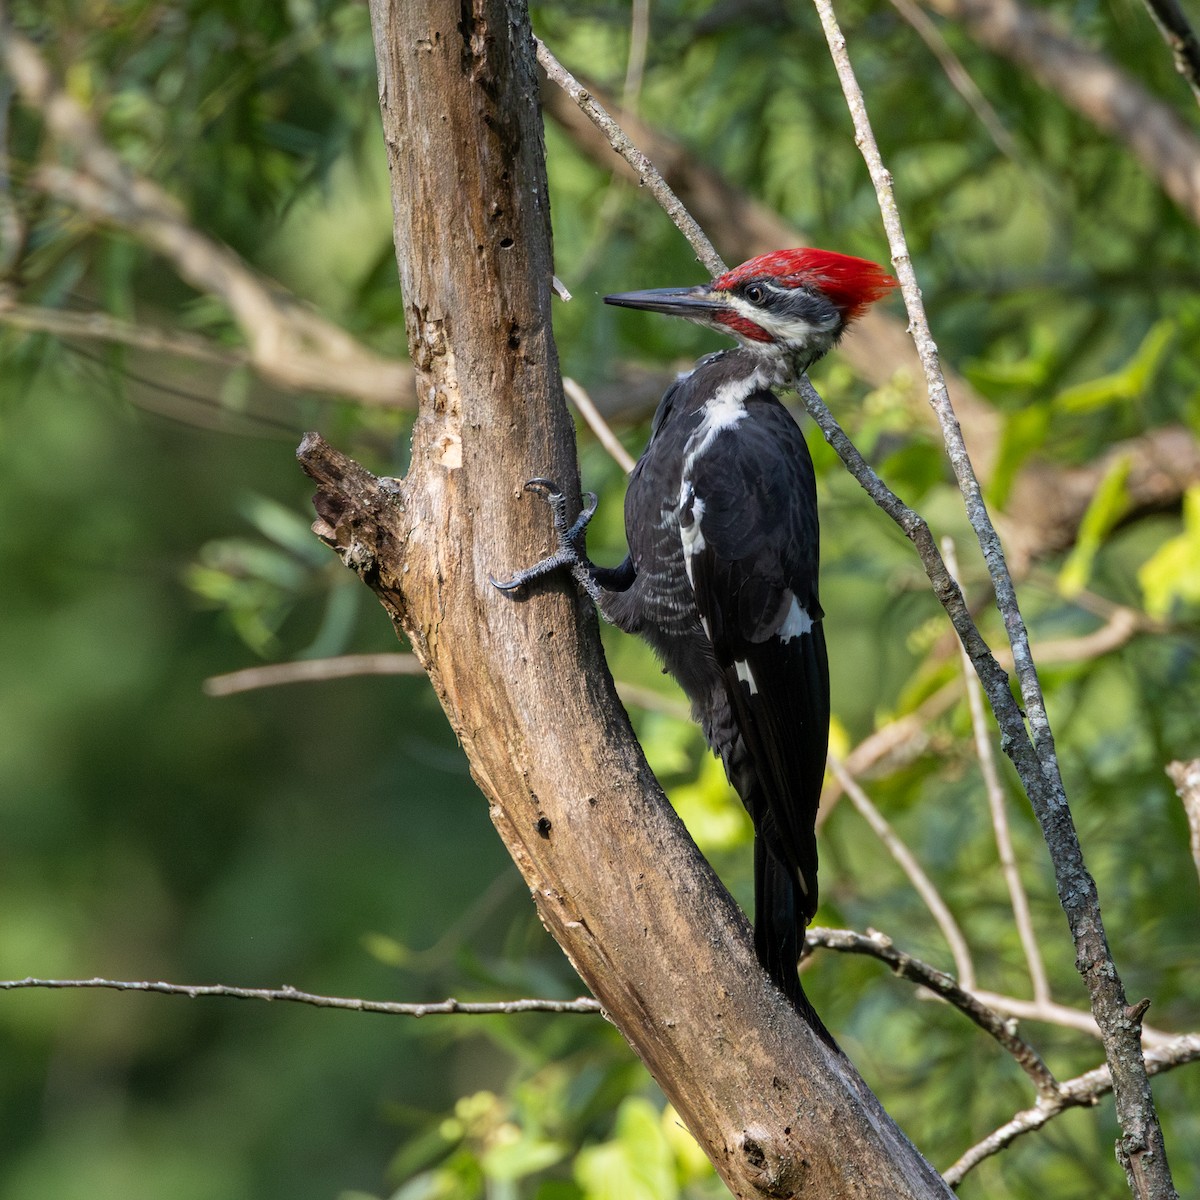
391, 1008
635, 65
996, 805
1186, 778
1178, 33
1141, 1149
597, 424
878, 945
1050, 1012
921, 882
346, 666
311, 670
100, 326
959, 77
1083, 1090
645, 170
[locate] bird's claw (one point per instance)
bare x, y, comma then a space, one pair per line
571, 553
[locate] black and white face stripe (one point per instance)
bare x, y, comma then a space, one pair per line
797, 316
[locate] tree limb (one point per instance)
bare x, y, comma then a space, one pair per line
615, 877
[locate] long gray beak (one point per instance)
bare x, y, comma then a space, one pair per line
693, 302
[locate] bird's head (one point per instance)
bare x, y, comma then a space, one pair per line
789, 303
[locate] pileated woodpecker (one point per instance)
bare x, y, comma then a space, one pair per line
721, 576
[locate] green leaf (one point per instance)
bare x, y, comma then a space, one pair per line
1128, 383
524, 1156
709, 809
1025, 433
287, 527
636, 1165
1171, 576
1108, 505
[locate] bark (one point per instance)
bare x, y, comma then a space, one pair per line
614, 875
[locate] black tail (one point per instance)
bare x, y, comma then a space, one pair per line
779, 924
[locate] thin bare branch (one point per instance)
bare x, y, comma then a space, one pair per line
645, 170
100, 326
346, 666
880, 946
1141, 1150
1050, 1012
311, 670
597, 424
1083, 1090
907, 862
353, 1003
960, 78
635, 65
997, 806
1186, 778
1178, 33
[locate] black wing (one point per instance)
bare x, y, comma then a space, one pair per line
748, 521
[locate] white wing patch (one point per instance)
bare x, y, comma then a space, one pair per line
796, 623
742, 667
691, 513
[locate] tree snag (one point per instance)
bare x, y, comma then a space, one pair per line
616, 878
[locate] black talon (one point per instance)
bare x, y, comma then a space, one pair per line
570, 553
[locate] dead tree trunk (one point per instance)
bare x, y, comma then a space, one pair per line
615, 877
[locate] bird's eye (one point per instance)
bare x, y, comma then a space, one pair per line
756, 293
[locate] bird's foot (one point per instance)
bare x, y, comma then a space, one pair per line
571, 536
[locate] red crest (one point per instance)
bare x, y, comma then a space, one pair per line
851, 283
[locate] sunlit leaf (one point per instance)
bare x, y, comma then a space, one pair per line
1170, 578
1128, 383
1107, 507
636, 1165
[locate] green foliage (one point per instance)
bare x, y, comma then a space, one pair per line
1170, 577
156, 532
636, 1165
1108, 505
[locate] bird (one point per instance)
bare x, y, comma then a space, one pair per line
721, 575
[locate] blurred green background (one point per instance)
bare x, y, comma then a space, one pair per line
328, 836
